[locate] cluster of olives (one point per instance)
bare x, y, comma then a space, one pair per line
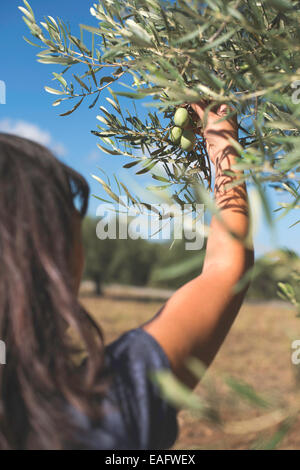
179, 133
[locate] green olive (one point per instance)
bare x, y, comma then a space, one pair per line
181, 118
188, 140
176, 133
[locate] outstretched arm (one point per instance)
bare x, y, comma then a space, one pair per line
197, 318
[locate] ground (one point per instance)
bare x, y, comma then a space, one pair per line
257, 350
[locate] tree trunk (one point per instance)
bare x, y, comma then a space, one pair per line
98, 288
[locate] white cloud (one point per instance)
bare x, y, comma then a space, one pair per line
33, 132
94, 155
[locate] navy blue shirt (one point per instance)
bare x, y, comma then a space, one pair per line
135, 416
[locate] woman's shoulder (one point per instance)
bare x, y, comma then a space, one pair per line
135, 415
140, 347
133, 360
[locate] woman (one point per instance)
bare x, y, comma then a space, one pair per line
110, 402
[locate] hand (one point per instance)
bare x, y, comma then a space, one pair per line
216, 133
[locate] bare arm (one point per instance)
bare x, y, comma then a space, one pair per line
197, 318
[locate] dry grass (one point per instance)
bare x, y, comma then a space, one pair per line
257, 350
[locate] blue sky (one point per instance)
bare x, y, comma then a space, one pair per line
29, 111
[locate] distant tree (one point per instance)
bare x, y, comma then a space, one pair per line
98, 254
134, 261
122, 261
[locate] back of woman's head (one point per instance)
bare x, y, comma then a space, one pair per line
40, 198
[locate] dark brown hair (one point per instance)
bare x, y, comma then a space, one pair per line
40, 386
